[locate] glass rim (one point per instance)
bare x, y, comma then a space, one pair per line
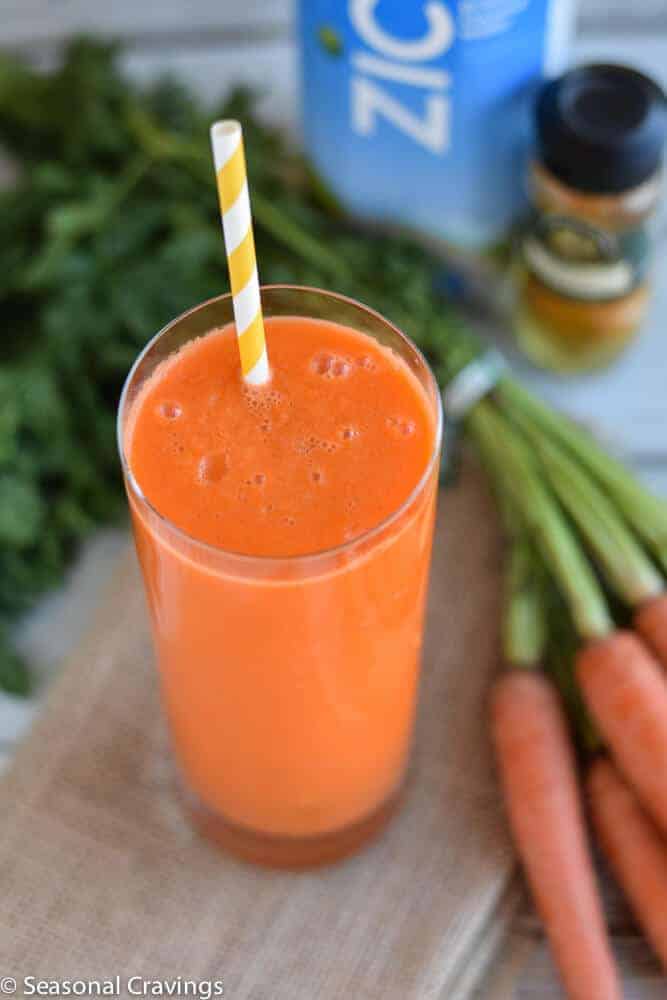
308, 557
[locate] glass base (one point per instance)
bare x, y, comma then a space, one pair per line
293, 853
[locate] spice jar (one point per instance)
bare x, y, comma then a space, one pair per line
582, 261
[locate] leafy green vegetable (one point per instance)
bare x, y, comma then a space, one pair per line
112, 229
14, 677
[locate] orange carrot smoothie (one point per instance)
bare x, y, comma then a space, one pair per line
284, 534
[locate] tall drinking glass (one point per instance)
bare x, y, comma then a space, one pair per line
289, 683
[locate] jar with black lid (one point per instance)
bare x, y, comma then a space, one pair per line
582, 260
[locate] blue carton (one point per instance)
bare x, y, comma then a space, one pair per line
418, 113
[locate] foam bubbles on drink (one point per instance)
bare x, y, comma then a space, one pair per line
212, 468
306, 446
321, 363
170, 410
401, 427
349, 433
261, 399
330, 366
259, 479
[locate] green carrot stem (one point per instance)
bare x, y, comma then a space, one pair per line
524, 619
645, 512
627, 568
524, 622
537, 628
559, 661
502, 447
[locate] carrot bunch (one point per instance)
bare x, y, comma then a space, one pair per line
585, 642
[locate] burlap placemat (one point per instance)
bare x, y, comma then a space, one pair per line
101, 876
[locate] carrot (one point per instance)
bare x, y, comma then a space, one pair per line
538, 774
626, 693
634, 848
651, 623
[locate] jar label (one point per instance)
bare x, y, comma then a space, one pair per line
580, 261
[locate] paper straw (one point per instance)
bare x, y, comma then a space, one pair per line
230, 170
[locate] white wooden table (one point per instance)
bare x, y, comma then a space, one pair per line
212, 45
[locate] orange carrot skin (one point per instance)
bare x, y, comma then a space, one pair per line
634, 848
651, 623
626, 692
539, 780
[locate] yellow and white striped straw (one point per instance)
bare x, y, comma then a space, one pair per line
230, 170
